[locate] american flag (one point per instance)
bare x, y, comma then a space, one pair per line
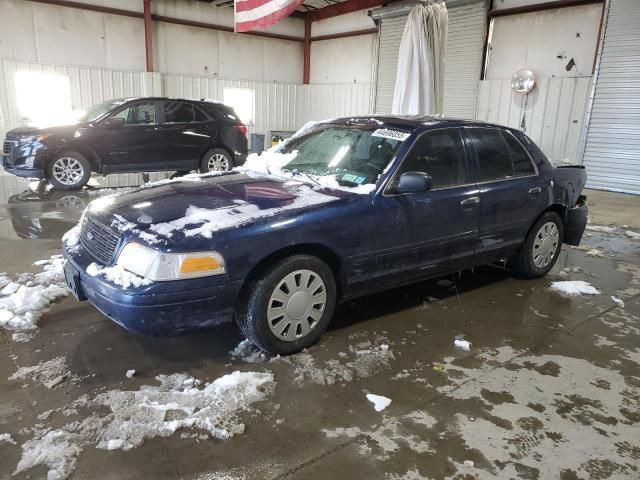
253, 14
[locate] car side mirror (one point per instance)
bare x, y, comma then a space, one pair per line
113, 123
414, 182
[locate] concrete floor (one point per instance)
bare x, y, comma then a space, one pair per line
550, 388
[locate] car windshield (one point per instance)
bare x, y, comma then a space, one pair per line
99, 110
357, 156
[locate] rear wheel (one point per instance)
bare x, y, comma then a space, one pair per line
216, 160
69, 171
541, 248
289, 306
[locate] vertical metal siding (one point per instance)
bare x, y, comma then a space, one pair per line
464, 59
554, 112
465, 40
391, 30
612, 147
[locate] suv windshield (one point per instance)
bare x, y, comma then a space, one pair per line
97, 111
356, 156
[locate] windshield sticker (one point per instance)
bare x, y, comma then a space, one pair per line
393, 134
348, 177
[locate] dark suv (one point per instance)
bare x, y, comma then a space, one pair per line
129, 135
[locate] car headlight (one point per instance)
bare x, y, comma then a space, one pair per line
159, 266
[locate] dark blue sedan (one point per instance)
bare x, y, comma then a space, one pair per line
346, 208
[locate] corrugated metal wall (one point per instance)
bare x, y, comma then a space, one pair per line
612, 148
553, 116
88, 86
278, 106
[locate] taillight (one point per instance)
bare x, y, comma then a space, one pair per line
242, 128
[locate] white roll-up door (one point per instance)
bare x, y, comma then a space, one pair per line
612, 149
465, 41
391, 30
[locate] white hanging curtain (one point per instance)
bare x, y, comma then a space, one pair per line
420, 77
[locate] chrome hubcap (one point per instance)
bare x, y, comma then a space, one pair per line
218, 163
296, 305
546, 245
68, 170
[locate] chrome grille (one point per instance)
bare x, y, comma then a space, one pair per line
99, 241
6, 148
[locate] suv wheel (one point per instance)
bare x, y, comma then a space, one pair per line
289, 306
216, 160
69, 171
541, 248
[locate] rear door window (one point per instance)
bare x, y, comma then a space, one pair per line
177, 112
522, 165
500, 155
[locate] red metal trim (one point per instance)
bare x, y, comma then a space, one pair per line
92, 8
353, 33
306, 67
148, 35
343, 8
595, 54
540, 7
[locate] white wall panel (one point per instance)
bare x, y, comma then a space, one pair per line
342, 60
553, 115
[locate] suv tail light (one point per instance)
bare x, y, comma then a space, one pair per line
242, 128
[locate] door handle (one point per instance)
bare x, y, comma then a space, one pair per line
470, 201
535, 191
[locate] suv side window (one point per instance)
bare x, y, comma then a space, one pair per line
177, 112
200, 116
522, 165
440, 154
138, 114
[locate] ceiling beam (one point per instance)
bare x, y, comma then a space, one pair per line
343, 8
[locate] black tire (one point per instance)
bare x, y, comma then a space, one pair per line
252, 317
204, 163
524, 261
55, 177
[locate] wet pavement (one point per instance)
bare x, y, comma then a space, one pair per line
549, 389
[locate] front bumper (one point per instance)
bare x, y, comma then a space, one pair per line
23, 172
576, 222
161, 308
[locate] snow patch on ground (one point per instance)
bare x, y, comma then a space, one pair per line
379, 402
574, 287
179, 402
617, 301
24, 299
594, 252
50, 373
204, 221
363, 360
462, 344
7, 438
248, 352
633, 235
601, 228
118, 275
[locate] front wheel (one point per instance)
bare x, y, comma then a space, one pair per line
289, 306
541, 248
216, 160
69, 171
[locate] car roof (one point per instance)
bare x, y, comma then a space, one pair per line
206, 101
411, 122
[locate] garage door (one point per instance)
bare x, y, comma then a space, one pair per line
612, 150
465, 41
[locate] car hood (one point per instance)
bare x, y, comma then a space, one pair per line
202, 205
59, 129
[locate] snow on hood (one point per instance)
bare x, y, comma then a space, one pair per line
206, 221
